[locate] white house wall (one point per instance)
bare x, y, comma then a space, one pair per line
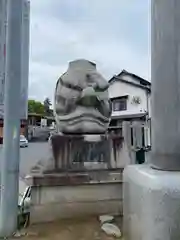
118, 89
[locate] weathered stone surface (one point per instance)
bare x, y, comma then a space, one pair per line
76, 178
73, 151
81, 153
50, 203
81, 100
82, 112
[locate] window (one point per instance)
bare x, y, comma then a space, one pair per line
119, 104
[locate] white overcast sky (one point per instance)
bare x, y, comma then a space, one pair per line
112, 33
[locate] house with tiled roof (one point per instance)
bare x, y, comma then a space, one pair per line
130, 97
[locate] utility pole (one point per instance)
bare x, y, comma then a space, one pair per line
3, 23
25, 59
10, 161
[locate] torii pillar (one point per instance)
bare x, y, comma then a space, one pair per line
152, 191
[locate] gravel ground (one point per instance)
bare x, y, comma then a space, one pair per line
84, 229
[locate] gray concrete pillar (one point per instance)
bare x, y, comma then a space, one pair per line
25, 59
11, 132
151, 198
165, 84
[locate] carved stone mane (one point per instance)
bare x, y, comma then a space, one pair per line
81, 100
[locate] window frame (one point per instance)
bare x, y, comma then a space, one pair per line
122, 102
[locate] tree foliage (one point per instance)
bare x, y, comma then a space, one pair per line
47, 105
35, 107
40, 108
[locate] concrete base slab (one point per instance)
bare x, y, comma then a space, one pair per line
151, 204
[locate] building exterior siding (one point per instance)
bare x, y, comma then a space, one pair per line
120, 89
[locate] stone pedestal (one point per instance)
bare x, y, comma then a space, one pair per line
151, 205
78, 153
80, 177
75, 195
74, 152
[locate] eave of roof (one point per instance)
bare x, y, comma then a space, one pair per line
127, 116
123, 72
115, 78
135, 76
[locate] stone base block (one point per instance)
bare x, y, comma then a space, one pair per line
61, 202
151, 204
58, 196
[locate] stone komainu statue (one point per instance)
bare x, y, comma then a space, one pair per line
82, 112
82, 103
